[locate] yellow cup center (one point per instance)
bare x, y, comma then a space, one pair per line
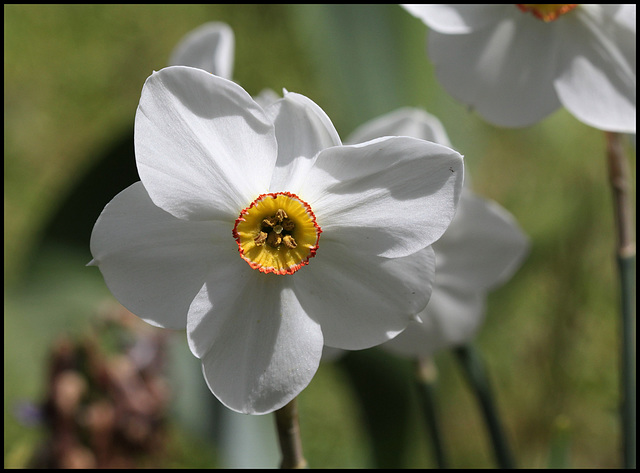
277, 233
547, 12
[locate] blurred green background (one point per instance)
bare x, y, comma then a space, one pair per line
72, 79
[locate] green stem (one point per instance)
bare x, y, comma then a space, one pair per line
619, 178
479, 381
289, 436
426, 375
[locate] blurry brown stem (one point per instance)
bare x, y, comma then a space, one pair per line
289, 436
619, 178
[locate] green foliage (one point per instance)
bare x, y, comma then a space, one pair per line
73, 74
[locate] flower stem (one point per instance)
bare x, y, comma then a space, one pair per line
426, 375
477, 376
625, 258
289, 436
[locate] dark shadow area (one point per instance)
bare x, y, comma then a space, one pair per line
383, 388
71, 224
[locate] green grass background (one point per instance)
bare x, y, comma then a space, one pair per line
73, 75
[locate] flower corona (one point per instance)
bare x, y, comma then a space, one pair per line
277, 233
547, 12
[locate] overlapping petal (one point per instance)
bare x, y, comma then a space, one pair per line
405, 121
392, 196
453, 317
488, 70
596, 80
302, 130
153, 262
482, 247
361, 300
210, 47
455, 18
258, 347
203, 147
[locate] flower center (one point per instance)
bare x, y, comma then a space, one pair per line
547, 12
277, 233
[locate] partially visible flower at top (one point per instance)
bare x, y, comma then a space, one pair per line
481, 250
515, 64
210, 46
264, 236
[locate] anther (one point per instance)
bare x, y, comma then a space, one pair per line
288, 224
274, 239
280, 215
289, 242
260, 239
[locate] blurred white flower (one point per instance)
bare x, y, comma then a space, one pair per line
264, 236
210, 46
516, 64
481, 249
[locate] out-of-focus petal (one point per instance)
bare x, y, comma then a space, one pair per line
505, 72
210, 47
457, 19
302, 130
391, 197
452, 317
153, 262
597, 79
258, 347
204, 148
362, 300
482, 247
406, 121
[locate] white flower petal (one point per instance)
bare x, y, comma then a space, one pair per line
204, 148
505, 72
597, 82
362, 300
153, 262
209, 47
391, 196
482, 247
405, 121
456, 19
452, 317
302, 130
258, 347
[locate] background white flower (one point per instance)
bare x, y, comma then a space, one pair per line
514, 69
481, 249
205, 150
210, 46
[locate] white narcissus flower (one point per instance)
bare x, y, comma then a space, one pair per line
264, 236
481, 249
210, 46
515, 63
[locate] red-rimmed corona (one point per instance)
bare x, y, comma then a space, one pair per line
277, 233
546, 12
